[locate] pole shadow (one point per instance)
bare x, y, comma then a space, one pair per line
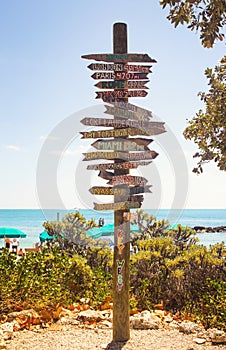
115, 345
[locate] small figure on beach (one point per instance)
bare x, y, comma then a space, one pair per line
7, 243
101, 222
15, 244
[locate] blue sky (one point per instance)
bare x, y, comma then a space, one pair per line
44, 80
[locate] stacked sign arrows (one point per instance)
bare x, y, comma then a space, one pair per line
125, 121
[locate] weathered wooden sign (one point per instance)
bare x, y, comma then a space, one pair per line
134, 108
120, 190
124, 145
140, 155
113, 166
120, 94
128, 57
120, 155
122, 123
120, 76
128, 179
108, 191
124, 113
117, 206
102, 155
140, 189
106, 175
114, 133
122, 84
119, 67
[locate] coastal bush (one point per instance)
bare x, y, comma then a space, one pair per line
213, 305
43, 278
168, 267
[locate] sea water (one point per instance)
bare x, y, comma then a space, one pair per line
31, 221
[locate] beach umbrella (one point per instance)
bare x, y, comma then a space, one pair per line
44, 236
10, 232
107, 230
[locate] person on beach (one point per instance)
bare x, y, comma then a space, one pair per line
15, 244
7, 243
101, 222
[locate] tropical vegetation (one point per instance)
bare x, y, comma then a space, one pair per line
168, 267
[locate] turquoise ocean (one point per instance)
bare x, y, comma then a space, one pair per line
30, 221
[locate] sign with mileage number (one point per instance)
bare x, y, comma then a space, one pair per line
118, 67
120, 76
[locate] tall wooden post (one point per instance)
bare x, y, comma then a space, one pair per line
127, 79
121, 270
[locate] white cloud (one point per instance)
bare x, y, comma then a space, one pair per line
47, 137
71, 152
12, 148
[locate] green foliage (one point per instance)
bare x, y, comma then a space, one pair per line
206, 16
43, 278
70, 267
207, 129
213, 304
167, 267
172, 269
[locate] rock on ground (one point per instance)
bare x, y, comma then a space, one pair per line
68, 337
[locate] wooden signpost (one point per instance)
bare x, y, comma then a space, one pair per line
115, 133
121, 77
134, 108
121, 84
122, 123
117, 206
119, 67
120, 57
124, 113
128, 179
124, 145
120, 155
120, 94
120, 190
113, 166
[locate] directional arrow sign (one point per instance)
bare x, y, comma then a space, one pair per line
125, 113
130, 57
113, 166
120, 155
124, 145
121, 94
134, 108
117, 206
109, 191
121, 84
128, 179
118, 67
115, 133
120, 76
106, 175
103, 155
140, 189
119, 190
122, 123
101, 190
139, 155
